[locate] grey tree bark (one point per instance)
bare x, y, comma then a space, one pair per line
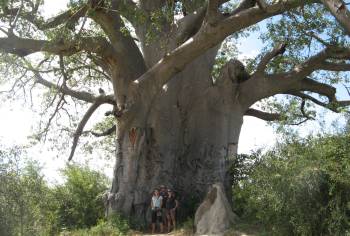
185, 139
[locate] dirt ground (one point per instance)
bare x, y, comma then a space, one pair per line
183, 233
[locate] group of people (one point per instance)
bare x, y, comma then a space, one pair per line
164, 205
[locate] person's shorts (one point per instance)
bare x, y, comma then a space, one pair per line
157, 216
170, 211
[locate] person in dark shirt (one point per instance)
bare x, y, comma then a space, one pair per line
164, 194
171, 205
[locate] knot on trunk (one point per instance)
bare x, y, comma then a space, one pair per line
233, 71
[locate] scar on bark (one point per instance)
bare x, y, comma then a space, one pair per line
132, 136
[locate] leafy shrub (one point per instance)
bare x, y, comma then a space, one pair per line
116, 226
119, 223
302, 187
79, 199
25, 200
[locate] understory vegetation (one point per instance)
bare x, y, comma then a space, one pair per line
299, 187
31, 206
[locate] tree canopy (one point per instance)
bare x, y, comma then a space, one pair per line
100, 43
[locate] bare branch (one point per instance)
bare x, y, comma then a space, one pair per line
310, 98
59, 106
303, 112
263, 115
69, 17
278, 49
13, 24
63, 71
276, 116
331, 105
340, 12
80, 95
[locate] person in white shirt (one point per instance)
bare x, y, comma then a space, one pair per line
156, 204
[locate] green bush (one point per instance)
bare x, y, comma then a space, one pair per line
119, 223
79, 199
302, 187
25, 200
115, 226
28, 206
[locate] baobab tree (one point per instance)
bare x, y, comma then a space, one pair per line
176, 122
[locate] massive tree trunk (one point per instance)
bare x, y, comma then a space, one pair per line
184, 139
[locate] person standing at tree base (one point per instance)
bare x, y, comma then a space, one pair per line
164, 194
156, 204
171, 205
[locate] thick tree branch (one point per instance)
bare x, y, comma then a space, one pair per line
331, 66
262, 4
130, 61
263, 86
279, 49
244, 5
24, 46
213, 14
99, 101
340, 12
189, 25
319, 61
317, 87
263, 115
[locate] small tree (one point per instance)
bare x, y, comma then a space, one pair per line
25, 202
80, 198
